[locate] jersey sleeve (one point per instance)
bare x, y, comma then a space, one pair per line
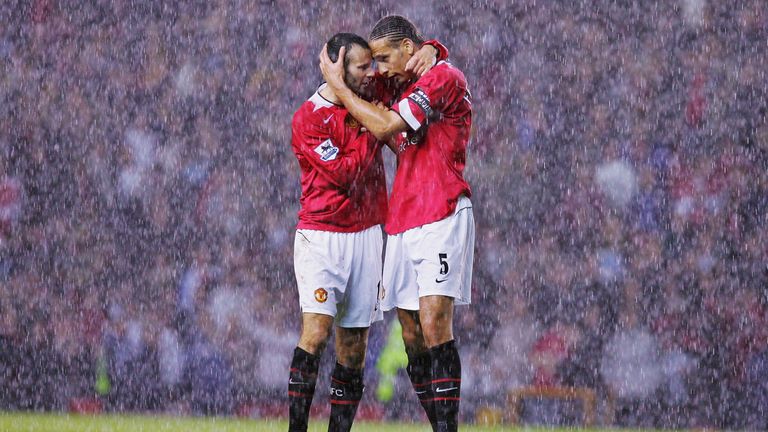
432, 94
340, 164
442, 51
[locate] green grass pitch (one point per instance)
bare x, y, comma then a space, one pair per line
30, 422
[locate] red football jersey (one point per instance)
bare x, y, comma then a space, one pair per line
431, 158
343, 185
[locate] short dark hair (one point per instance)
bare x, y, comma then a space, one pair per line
344, 40
395, 28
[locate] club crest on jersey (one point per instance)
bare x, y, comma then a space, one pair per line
321, 295
327, 150
351, 122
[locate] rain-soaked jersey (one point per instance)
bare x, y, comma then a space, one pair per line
430, 160
343, 185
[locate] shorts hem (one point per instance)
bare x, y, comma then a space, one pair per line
318, 312
353, 325
457, 301
404, 307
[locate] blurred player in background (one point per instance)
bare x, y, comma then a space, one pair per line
339, 242
430, 223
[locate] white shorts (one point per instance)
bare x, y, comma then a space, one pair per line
339, 274
433, 259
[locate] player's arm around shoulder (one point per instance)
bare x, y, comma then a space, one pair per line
382, 123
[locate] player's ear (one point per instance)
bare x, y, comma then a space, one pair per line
408, 46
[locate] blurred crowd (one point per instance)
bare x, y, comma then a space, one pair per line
618, 161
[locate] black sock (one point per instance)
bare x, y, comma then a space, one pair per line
446, 385
420, 372
346, 392
301, 388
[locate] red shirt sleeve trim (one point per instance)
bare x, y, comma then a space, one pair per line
442, 51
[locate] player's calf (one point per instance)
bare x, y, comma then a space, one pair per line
301, 388
315, 332
446, 385
420, 372
419, 362
347, 377
346, 392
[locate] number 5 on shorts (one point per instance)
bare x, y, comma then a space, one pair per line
443, 263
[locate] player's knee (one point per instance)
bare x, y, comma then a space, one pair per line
437, 328
413, 339
431, 322
353, 358
351, 346
314, 340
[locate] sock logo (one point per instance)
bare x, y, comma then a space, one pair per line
337, 392
441, 390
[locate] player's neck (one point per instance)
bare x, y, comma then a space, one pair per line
329, 95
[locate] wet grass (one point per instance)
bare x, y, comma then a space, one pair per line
32, 422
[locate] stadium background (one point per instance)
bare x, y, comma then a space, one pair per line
618, 160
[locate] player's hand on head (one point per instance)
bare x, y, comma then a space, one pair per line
333, 72
422, 60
